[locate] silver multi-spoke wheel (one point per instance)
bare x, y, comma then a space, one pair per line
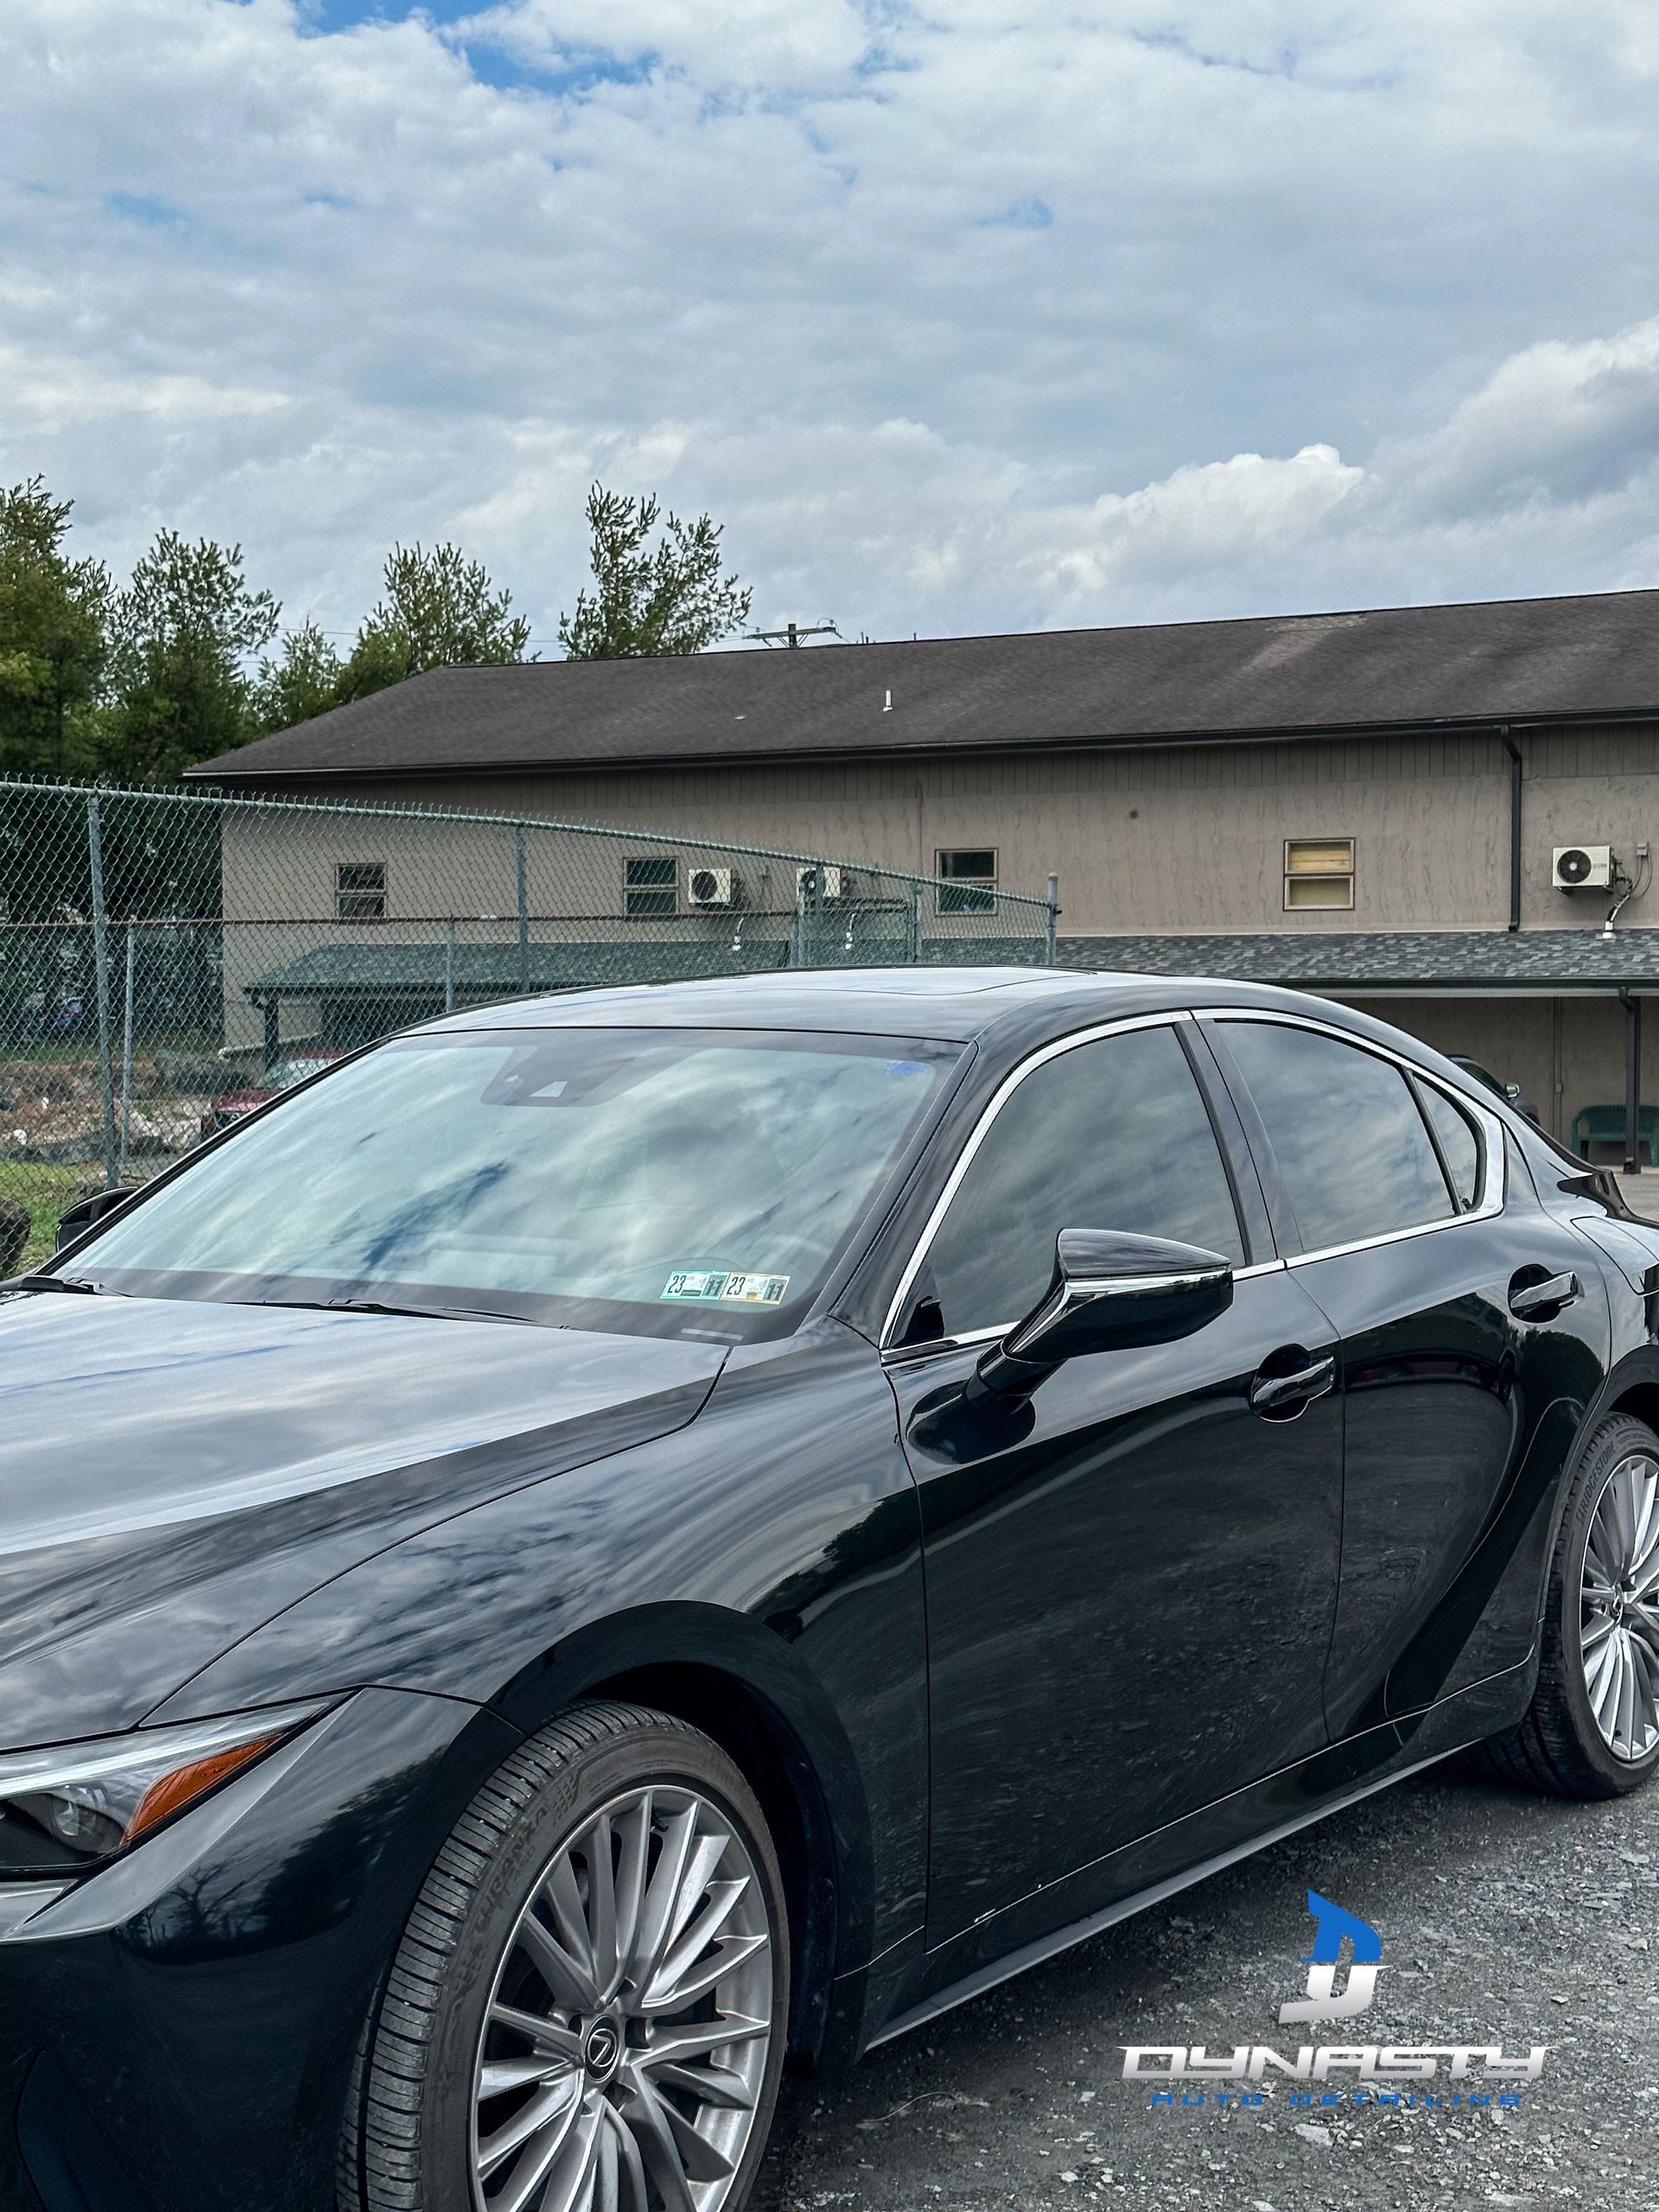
625, 2042
1618, 1638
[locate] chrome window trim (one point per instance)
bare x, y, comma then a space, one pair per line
900, 1355
1168, 1020
1489, 1130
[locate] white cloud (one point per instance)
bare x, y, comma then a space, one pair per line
1070, 311
56, 392
1557, 423
723, 42
1213, 522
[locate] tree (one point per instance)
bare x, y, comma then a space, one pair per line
438, 610
52, 642
304, 680
184, 629
669, 598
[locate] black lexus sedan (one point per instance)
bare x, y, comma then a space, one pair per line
612, 1543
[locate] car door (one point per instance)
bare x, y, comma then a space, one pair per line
1471, 1332
1131, 1574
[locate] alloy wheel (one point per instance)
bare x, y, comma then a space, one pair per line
1619, 1635
625, 2042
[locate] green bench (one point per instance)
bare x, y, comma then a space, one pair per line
1605, 1125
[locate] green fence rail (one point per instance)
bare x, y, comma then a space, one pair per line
169, 957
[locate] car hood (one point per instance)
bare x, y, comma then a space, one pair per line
172, 1474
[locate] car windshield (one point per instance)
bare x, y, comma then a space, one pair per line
666, 1182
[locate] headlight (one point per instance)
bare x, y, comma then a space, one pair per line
69, 1807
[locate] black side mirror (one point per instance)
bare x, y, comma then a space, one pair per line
1111, 1292
74, 1221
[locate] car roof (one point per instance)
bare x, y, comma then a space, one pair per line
951, 1004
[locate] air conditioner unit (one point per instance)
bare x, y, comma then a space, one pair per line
813, 884
1583, 867
711, 886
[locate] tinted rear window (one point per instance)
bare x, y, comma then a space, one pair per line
1459, 1148
1349, 1142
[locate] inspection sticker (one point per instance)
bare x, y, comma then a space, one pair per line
715, 1286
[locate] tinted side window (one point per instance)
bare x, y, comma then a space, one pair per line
1349, 1142
1111, 1135
1459, 1148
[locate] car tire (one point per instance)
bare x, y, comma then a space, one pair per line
1566, 1744
609, 1904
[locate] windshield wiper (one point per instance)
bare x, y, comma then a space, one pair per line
79, 1284
384, 1305
420, 1312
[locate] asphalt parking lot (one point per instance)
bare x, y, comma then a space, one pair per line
1504, 1918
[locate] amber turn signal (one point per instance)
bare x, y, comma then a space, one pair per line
186, 1783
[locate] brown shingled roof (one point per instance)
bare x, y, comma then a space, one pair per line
1594, 657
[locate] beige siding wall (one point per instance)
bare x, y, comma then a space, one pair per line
1565, 1053
1186, 838
1176, 838
1516, 1038
1587, 787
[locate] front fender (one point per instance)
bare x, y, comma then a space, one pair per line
775, 1539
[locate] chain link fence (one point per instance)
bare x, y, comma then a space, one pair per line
168, 959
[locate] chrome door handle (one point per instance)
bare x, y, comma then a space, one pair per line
1269, 1392
1546, 1297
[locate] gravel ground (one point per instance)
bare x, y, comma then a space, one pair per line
1504, 1918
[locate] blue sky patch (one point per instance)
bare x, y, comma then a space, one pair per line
146, 208
1028, 215
326, 16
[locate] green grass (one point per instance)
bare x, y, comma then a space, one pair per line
62, 1053
82, 1050
45, 1191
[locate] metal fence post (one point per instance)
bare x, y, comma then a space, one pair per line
913, 927
126, 1049
449, 966
101, 971
523, 861
1053, 930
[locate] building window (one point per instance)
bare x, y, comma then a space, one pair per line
966, 881
1318, 872
649, 887
360, 891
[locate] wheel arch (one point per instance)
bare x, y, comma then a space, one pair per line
1640, 1397
739, 1683
1631, 1386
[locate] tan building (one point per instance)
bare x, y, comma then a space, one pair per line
1372, 803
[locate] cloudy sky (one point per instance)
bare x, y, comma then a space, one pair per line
980, 315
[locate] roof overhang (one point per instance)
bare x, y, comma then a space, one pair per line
1113, 741
1392, 964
